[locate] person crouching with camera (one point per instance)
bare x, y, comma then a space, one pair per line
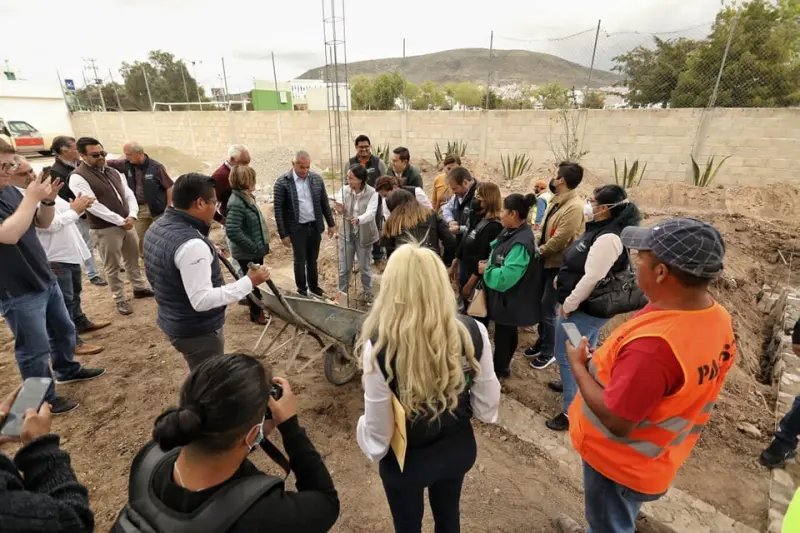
39, 491
196, 472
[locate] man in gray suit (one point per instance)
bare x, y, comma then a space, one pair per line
301, 211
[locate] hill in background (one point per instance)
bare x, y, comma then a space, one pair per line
471, 64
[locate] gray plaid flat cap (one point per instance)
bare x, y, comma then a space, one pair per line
690, 245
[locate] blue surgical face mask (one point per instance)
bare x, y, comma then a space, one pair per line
259, 437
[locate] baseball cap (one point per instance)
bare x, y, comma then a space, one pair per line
689, 245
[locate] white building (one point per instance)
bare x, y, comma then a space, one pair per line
300, 88
40, 104
317, 98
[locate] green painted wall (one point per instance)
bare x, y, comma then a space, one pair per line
270, 101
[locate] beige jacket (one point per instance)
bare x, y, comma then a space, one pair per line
563, 223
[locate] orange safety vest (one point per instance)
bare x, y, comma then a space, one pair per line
648, 459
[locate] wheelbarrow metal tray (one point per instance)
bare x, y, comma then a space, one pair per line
340, 323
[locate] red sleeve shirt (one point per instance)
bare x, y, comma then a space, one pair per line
645, 371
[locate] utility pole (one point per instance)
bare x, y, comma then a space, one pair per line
185, 88
225, 78
116, 92
97, 78
88, 92
147, 86
197, 85
274, 72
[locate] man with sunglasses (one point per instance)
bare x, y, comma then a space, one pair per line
111, 220
30, 299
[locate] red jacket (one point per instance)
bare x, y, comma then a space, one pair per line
223, 187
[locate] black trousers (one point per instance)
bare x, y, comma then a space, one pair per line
255, 310
506, 339
441, 469
305, 248
378, 253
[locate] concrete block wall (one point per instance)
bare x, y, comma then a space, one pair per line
762, 142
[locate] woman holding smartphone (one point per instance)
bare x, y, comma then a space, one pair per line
595, 255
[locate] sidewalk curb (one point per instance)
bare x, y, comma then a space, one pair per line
677, 511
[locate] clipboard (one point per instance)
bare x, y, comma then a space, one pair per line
399, 441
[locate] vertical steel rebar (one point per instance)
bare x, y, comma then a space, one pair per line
489, 69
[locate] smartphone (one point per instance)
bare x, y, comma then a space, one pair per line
572, 333
46, 172
30, 396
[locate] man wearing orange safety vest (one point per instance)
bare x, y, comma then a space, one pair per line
647, 393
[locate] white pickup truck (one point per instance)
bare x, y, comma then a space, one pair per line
25, 138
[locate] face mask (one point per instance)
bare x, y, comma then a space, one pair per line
475, 205
552, 186
588, 211
259, 437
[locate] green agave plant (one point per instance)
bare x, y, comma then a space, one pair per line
628, 178
514, 168
708, 174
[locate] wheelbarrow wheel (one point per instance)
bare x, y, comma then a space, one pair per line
340, 367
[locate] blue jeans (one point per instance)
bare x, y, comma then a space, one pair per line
68, 277
349, 248
90, 264
43, 331
589, 326
611, 507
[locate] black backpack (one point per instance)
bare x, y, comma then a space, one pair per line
145, 513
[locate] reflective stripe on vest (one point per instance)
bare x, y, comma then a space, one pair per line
648, 459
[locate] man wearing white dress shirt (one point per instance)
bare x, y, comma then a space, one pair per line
66, 252
184, 270
386, 184
111, 220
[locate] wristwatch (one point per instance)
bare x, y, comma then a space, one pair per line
48, 204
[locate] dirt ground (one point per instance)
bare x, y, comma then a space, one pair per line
513, 488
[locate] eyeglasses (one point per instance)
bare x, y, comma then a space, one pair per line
97, 155
10, 167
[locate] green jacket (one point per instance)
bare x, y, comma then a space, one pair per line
246, 228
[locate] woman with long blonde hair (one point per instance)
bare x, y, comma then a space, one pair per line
439, 366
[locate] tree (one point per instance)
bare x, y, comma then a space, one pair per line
165, 75
361, 92
554, 96
652, 75
90, 97
594, 100
468, 94
386, 89
762, 68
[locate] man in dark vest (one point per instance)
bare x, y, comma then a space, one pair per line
183, 267
111, 220
375, 169
456, 211
66, 161
402, 169
149, 181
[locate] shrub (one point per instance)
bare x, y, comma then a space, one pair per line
513, 169
709, 172
628, 177
458, 148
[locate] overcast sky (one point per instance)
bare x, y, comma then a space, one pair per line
245, 32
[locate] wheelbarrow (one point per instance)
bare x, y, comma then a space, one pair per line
334, 328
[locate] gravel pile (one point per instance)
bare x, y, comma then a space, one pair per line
269, 164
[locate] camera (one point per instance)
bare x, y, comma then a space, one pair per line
276, 392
